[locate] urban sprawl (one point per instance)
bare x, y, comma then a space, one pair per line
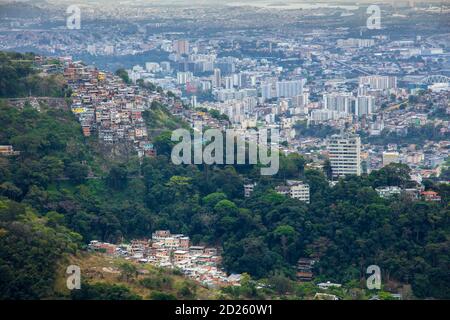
354, 85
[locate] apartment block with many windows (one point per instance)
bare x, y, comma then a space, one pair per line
345, 154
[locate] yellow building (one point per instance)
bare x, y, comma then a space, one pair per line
101, 76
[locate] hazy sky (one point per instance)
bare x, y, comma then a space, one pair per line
187, 2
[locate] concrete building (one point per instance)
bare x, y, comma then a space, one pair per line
387, 192
248, 189
345, 154
181, 46
341, 102
295, 189
184, 77
390, 157
364, 105
379, 82
266, 91
299, 190
217, 80
289, 89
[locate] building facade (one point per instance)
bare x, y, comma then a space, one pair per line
345, 154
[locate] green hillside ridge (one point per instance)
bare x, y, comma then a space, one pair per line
19, 77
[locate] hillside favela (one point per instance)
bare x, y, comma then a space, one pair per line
224, 150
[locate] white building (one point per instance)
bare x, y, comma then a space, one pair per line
360, 43
152, 67
248, 189
229, 82
300, 101
266, 91
184, 77
321, 115
288, 89
379, 82
345, 154
194, 101
217, 79
181, 46
387, 192
341, 102
295, 189
364, 105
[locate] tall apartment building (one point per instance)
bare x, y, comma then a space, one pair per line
181, 46
217, 79
322, 115
226, 65
184, 77
341, 102
379, 82
194, 101
345, 154
229, 82
288, 89
266, 91
364, 105
301, 100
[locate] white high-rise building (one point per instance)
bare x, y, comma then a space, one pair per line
91, 49
229, 83
341, 102
301, 100
379, 82
289, 89
109, 50
217, 80
184, 77
205, 85
361, 43
194, 101
364, 105
345, 154
266, 91
323, 115
236, 79
181, 46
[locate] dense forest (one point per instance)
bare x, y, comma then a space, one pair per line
31, 244
60, 192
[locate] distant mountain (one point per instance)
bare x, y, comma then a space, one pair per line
21, 10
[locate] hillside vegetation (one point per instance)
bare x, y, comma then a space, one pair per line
19, 78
